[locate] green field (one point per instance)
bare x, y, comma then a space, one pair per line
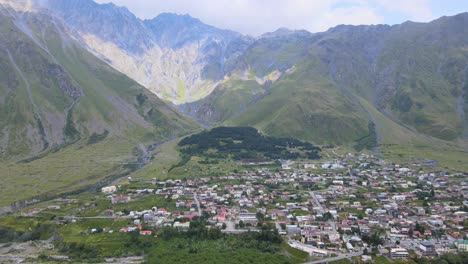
65, 170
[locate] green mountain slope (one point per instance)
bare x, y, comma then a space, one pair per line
63, 108
380, 84
413, 72
304, 104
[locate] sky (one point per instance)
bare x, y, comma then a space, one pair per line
255, 17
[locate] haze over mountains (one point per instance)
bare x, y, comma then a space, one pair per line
358, 85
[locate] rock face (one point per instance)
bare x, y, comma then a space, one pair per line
175, 56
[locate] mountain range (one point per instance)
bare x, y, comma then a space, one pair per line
357, 85
87, 89
348, 84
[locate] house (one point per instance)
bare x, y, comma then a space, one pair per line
364, 229
399, 253
127, 229
293, 229
427, 232
109, 189
120, 198
427, 248
146, 232
462, 245
399, 197
248, 218
190, 215
220, 217
180, 225
286, 164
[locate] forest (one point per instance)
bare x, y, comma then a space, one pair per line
245, 143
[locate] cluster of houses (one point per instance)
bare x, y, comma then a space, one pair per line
333, 206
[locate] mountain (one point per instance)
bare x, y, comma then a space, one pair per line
176, 56
67, 118
54, 92
347, 85
350, 83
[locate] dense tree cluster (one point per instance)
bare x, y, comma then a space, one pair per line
449, 258
245, 143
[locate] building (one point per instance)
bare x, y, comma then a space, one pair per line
427, 248
146, 232
313, 251
248, 218
462, 245
399, 253
109, 189
180, 225
120, 198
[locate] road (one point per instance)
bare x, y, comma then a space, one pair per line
341, 256
322, 210
90, 217
317, 202
198, 203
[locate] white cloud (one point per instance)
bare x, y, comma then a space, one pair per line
416, 10
259, 16
354, 15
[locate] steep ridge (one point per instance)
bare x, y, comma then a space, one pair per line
175, 56
68, 121
55, 93
353, 80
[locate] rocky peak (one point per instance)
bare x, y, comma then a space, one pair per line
174, 31
285, 32
107, 21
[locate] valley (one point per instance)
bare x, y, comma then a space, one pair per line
165, 139
211, 208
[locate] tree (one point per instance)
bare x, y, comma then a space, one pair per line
261, 203
327, 216
419, 228
260, 216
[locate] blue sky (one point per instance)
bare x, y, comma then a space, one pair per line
255, 17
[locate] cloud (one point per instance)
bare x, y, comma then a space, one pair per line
259, 16
416, 10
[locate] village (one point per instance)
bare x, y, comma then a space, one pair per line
344, 207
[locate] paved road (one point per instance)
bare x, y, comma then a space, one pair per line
198, 203
90, 217
322, 210
341, 256
317, 202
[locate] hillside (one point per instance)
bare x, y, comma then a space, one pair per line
346, 85
411, 77
61, 108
